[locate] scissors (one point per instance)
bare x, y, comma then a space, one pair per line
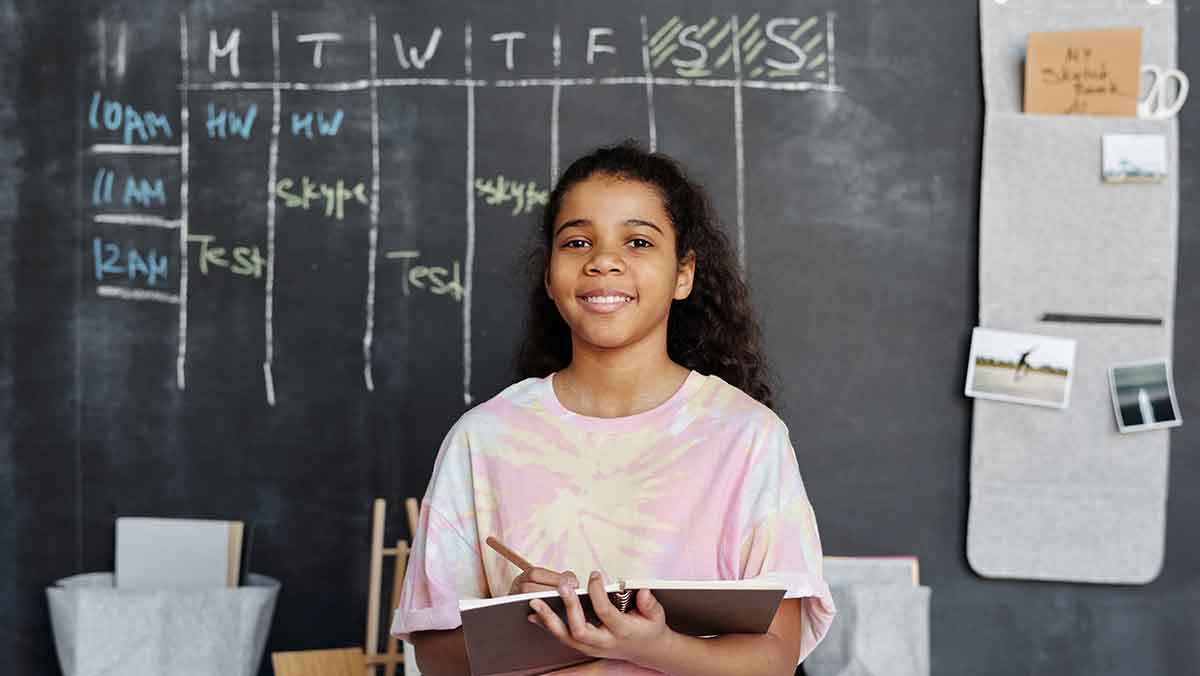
1158, 103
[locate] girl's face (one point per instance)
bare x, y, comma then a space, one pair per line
613, 271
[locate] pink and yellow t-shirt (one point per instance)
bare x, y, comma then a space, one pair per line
705, 486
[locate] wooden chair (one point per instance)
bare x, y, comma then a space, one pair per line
337, 662
353, 661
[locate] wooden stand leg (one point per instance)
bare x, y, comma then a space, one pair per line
414, 516
394, 655
397, 583
373, 587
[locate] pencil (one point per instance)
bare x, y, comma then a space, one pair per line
509, 554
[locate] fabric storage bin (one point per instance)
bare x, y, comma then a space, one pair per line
880, 630
102, 630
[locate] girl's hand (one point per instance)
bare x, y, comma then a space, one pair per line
541, 579
630, 636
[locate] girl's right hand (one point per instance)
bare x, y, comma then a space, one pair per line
541, 579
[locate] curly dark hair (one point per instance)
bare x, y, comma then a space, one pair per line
713, 330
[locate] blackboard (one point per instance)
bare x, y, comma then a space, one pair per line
314, 360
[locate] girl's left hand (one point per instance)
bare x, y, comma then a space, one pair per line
630, 636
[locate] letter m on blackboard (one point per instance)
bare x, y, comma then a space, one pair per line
230, 49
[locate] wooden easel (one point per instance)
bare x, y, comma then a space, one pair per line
393, 656
349, 661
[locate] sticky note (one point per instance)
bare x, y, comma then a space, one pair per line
1083, 72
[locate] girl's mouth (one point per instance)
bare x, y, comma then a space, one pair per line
605, 301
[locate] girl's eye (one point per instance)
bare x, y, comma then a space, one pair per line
640, 243
574, 243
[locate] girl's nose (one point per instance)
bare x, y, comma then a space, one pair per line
604, 261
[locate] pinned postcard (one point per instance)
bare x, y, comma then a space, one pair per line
1022, 368
1083, 72
1143, 396
1135, 158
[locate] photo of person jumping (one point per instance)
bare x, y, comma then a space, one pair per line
1023, 363
1001, 367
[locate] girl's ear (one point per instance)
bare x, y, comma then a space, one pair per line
685, 276
546, 282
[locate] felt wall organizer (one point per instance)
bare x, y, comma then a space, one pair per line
1060, 494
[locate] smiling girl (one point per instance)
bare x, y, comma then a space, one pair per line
641, 444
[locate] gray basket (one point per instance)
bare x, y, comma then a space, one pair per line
100, 630
880, 630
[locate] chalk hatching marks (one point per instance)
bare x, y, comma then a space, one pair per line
716, 40
658, 34
694, 50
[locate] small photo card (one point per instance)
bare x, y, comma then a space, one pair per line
1135, 158
1143, 396
1022, 368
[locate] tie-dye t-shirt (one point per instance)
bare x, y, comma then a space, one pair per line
705, 486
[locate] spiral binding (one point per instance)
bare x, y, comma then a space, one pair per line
623, 599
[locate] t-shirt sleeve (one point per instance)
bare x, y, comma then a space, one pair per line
445, 564
777, 538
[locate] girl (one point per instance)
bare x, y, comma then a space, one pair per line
640, 444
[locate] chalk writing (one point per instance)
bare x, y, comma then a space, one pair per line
508, 39
302, 123
222, 123
318, 40
594, 46
102, 187
417, 59
697, 49
335, 195
435, 279
524, 195
138, 192
119, 55
109, 259
114, 115
216, 51
141, 192
246, 260
739, 47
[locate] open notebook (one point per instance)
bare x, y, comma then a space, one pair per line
500, 640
